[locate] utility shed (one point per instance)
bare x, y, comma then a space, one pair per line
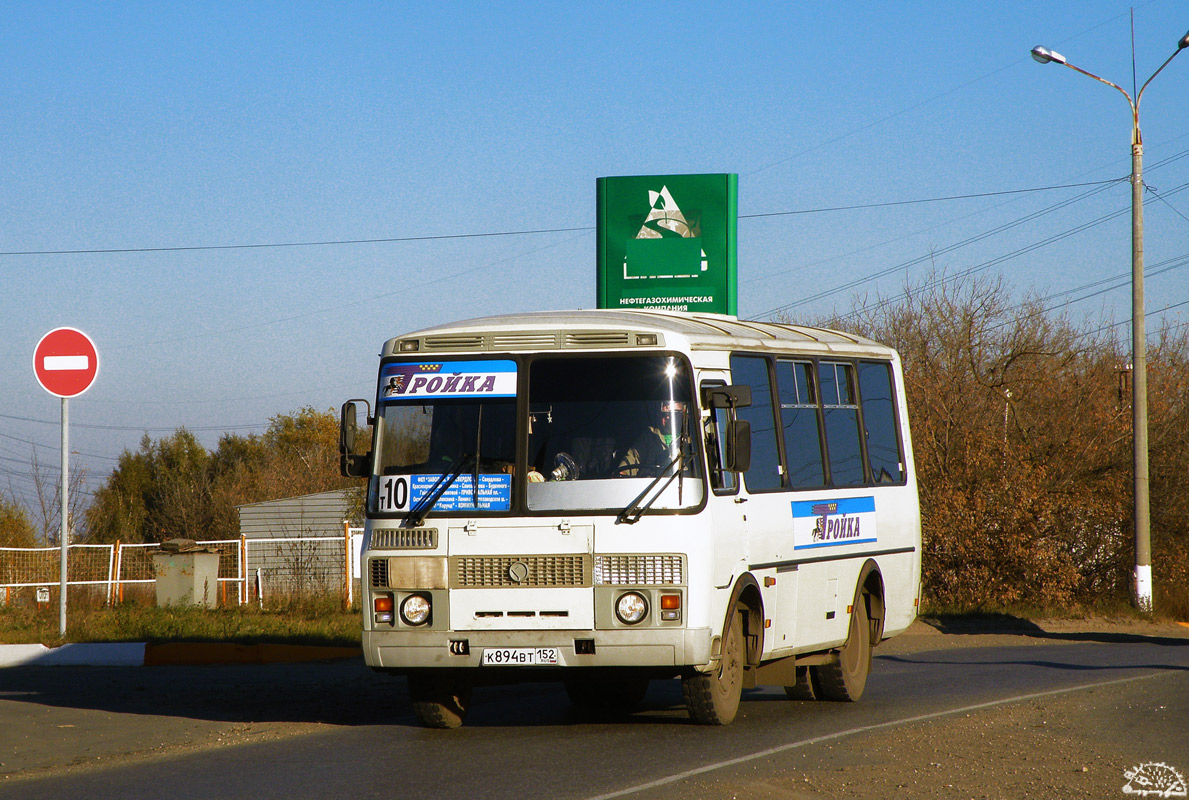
297, 545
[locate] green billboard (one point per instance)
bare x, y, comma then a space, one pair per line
668, 241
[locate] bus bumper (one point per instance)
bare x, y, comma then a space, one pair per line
674, 647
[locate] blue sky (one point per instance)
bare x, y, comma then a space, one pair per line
129, 127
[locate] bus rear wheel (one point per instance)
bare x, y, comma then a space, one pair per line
439, 701
712, 698
845, 677
803, 690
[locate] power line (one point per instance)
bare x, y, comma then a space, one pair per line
934, 253
369, 299
263, 245
1010, 255
527, 232
1146, 315
56, 448
1160, 197
137, 428
1157, 165
1121, 281
930, 199
984, 265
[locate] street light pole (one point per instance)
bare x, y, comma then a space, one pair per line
1139, 348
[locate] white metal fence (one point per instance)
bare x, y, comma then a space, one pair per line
249, 568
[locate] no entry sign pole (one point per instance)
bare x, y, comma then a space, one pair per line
66, 363
64, 536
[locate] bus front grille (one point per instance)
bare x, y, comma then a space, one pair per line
405, 539
638, 570
474, 572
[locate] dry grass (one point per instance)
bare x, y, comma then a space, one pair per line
313, 621
322, 620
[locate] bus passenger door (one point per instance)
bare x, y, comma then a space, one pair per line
769, 511
770, 549
727, 506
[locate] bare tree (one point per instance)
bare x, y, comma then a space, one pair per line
1021, 443
48, 492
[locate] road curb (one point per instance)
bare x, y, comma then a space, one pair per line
135, 654
81, 654
181, 653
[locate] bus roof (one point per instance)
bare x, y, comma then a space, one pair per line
623, 328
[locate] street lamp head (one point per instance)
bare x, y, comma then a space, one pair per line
1181, 45
1044, 55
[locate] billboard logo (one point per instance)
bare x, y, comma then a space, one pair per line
668, 244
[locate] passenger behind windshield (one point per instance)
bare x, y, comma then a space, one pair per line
595, 418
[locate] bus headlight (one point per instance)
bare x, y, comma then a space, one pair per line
414, 609
631, 608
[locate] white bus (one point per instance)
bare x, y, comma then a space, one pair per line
610, 497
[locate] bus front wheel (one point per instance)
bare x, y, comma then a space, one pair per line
845, 677
712, 698
439, 701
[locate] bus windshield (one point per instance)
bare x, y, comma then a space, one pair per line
598, 431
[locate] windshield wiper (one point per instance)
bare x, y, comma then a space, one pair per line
635, 509
417, 513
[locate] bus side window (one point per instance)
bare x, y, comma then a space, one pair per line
765, 472
879, 419
797, 383
721, 478
841, 415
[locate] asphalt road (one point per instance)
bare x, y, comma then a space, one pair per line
937, 716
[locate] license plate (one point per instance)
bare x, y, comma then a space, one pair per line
519, 656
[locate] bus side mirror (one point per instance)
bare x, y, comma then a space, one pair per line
352, 464
738, 396
738, 455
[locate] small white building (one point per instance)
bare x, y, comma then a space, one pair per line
301, 545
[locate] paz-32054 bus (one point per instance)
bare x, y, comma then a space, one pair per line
610, 497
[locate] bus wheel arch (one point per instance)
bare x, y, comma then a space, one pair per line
844, 677
746, 598
712, 698
869, 589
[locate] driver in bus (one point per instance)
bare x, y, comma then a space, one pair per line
654, 448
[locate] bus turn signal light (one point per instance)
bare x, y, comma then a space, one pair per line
383, 605
670, 607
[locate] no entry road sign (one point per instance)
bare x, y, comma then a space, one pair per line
65, 362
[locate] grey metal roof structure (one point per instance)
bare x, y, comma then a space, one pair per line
320, 514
